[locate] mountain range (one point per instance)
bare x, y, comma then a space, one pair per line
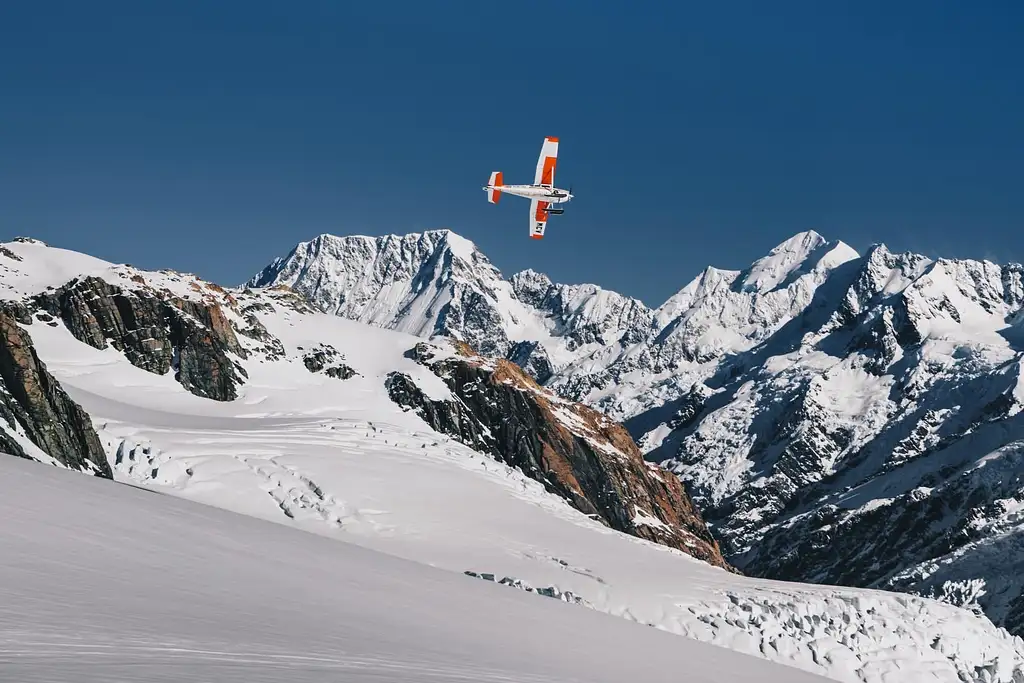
820, 417
837, 417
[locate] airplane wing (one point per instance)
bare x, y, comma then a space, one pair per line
538, 218
545, 174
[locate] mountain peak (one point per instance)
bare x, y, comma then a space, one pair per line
810, 238
341, 253
461, 246
422, 283
784, 263
531, 286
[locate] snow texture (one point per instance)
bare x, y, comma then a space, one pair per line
338, 459
101, 583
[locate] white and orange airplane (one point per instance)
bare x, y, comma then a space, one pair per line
542, 194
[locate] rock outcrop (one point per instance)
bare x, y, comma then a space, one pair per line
453, 418
573, 450
156, 331
326, 359
33, 403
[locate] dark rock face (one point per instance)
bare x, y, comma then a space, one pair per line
33, 400
155, 333
203, 366
326, 359
447, 417
272, 348
4, 251
532, 357
594, 464
340, 372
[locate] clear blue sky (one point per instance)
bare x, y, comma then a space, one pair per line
212, 136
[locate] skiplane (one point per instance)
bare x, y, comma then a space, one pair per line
542, 193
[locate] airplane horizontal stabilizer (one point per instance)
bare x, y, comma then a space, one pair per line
493, 193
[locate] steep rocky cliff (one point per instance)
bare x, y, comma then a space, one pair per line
36, 409
573, 450
156, 331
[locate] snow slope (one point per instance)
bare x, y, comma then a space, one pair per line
337, 458
106, 583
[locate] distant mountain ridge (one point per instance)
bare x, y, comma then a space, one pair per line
838, 417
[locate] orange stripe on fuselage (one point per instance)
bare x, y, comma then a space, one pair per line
537, 237
548, 174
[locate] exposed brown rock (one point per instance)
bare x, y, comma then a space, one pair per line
32, 399
575, 451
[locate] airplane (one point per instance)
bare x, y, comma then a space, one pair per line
542, 193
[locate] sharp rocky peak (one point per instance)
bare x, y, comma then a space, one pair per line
393, 256
531, 286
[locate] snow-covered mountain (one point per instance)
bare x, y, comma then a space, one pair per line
438, 283
589, 343
252, 401
837, 417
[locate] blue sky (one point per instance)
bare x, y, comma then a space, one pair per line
212, 136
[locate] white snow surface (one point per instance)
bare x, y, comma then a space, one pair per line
338, 459
29, 267
102, 583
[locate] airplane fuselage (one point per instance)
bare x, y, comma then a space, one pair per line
544, 193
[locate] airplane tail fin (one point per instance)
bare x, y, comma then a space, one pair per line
493, 193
